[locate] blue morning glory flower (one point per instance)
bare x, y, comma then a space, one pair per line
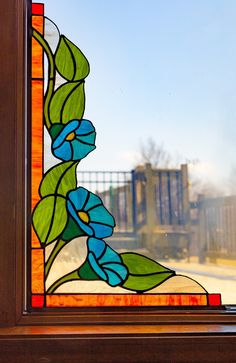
105, 262
73, 141
88, 211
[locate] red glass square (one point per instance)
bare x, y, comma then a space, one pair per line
37, 301
214, 299
37, 9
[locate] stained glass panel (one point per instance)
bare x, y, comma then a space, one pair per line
74, 262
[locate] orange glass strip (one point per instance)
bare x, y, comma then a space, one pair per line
86, 300
37, 274
37, 51
37, 119
37, 135
37, 92
37, 147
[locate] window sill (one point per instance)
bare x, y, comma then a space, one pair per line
119, 343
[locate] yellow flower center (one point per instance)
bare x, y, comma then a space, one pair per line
83, 216
70, 137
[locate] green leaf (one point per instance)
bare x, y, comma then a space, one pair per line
55, 130
86, 272
71, 63
141, 265
144, 273
59, 179
71, 231
67, 103
50, 218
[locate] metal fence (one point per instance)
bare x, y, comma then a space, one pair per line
150, 206
115, 190
155, 201
169, 197
217, 227
139, 189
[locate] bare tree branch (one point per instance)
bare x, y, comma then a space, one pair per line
155, 154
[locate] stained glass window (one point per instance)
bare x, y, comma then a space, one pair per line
80, 255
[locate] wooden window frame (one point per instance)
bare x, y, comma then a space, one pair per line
108, 335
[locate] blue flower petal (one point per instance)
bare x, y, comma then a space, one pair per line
85, 127
97, 246
109, 266
81, 144
100, 222
78, 197
93, 202
113, 278
120, 269
110, 256
70, 127
101, 231
88, 139
85, 227
81, 150
101, 214
63, 152
73, 212
96, 267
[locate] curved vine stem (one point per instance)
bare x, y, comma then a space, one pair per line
51, 74
71, 276
57, 248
